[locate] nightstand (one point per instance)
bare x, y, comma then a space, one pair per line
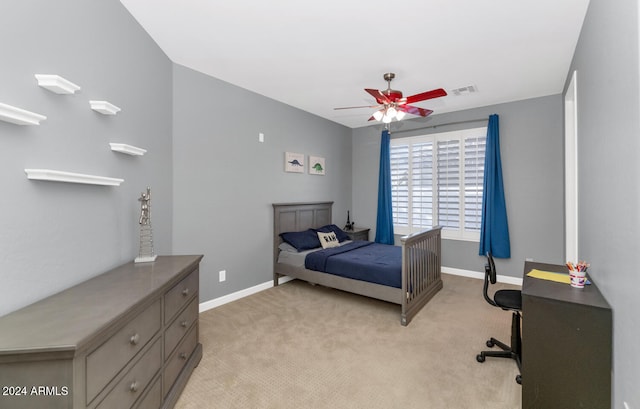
358, 233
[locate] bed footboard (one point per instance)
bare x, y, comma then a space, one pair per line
421, 268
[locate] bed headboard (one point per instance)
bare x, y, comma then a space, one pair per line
298, 217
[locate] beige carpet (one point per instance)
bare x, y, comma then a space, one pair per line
301, 346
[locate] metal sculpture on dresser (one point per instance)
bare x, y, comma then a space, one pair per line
146, 253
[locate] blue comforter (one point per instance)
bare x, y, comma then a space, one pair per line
360, 260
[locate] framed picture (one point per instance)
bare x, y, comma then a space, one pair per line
294, 162
316, 165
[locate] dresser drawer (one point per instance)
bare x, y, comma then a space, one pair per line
109, 358
177, 297
179, 327
153, 399
131, 386
180, 356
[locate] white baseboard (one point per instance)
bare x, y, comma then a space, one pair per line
480, 276
216, 302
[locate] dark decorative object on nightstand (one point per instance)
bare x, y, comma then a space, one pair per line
350, 224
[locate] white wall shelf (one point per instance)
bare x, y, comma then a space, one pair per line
19, 116
104, 107
57, 84
128, 149
68, 177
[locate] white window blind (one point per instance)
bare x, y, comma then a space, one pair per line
437, 180
421, 197
449, 183
400, 184
474, 148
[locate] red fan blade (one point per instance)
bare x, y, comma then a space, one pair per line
363, 106
379, 96
415, 110
436, 93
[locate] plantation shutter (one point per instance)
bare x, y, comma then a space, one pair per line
474, 148
438, 180
400, 184
421, 198
448, 164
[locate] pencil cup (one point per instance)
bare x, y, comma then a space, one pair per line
578, 278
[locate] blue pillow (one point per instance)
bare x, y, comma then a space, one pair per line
302, 240
340, 234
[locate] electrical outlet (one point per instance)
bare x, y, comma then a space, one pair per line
222, 275
260, 137
528, 259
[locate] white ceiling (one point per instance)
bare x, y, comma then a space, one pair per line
320, 55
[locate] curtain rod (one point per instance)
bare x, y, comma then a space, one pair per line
445, 124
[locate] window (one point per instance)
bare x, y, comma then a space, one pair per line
437, 180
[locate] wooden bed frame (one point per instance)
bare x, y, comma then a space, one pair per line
421, 260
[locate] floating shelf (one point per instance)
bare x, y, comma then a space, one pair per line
104, 107
68, 177
19, 116
128, 149
57, 84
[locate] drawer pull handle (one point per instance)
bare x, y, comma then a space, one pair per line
185, 292
134, 339
183, 356
134, 387
184, 324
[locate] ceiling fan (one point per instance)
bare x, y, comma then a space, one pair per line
392, 105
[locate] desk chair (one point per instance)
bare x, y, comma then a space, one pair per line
508, 300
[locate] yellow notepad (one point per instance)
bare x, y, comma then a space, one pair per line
547, 275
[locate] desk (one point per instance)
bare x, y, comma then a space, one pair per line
566, 344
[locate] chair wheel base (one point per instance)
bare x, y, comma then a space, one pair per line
505, 351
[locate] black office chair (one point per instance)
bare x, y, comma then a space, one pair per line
508, 300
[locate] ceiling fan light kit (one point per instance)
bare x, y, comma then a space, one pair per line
392, 105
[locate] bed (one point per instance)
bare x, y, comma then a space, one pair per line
420, 259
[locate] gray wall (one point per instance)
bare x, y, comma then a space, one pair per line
226, 180
53, 235
606, 60
56, 234
531, 143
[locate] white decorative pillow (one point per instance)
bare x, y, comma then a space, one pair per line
328, 240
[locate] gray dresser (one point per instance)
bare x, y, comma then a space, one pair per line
127, 338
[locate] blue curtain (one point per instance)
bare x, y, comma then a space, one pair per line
384, 222
494, 229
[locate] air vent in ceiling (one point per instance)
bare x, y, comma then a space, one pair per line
469, 89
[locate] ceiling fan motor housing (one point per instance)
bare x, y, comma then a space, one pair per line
392, 94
